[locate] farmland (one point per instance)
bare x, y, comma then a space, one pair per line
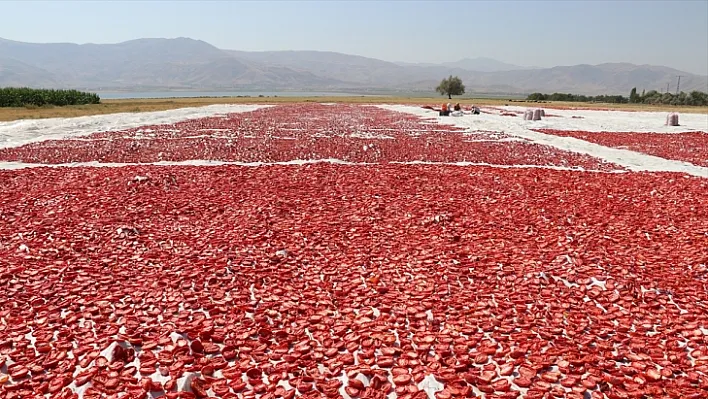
354, 251
157, 104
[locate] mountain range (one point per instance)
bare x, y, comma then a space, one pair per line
188, 64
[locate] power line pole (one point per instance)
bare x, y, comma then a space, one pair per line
667, 86
678, 84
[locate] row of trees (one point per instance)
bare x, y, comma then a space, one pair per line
453, 86
696, 98
576, 98
24, 96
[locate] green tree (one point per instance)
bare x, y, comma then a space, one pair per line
451, 86
651, 97
633, 97
698, 98
666, 98
536, 97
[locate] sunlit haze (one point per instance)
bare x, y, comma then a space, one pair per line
526, 33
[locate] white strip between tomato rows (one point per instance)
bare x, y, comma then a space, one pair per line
610, 121
632, 160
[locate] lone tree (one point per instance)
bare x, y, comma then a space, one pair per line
451, 86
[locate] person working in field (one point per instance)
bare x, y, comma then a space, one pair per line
444, 111
457, 107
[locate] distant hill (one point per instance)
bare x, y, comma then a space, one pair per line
482, 64
479, 64
147, 63
342, 67
183, 63
16, 73
617, 78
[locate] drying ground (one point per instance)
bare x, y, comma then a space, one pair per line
308, 250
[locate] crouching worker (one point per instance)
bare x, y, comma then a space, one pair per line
457, 107
444, 111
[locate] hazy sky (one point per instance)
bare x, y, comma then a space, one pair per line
532, 33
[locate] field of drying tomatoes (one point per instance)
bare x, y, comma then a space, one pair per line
690, 146
348, 281
301, 132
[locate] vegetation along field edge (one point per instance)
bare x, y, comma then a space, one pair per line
89, 104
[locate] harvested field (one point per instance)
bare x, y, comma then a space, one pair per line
348, 251
108, 107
